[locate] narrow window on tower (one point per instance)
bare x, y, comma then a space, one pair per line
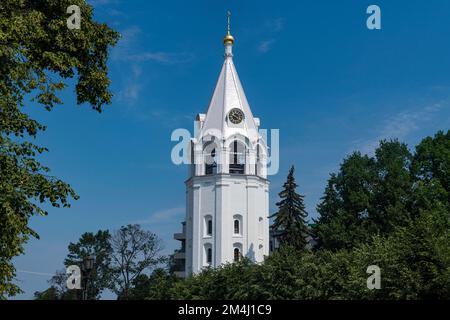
209, 255
236, 227
237, 254
209, 231
208, 226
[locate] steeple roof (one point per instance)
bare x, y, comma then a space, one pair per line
229, 94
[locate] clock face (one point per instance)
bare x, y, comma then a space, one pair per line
236, 115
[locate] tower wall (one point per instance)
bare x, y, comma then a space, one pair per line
226, 197
227, 189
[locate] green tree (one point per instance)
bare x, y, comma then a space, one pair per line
414, 260
279, 273
289, 274
57, 290
289, 224
344, 209
157, 286
431, 161
97, 245
48, 294
38, 53
392, 187
134, 251
368, 196
238, 280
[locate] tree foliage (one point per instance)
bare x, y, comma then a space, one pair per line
368, 196
134, 251
157, 286
122, 262
289, 224
97, 245
414, 261
38, 54
57, 290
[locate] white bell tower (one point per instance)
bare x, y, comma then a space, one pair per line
227, 196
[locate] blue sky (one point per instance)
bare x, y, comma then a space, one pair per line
309, 68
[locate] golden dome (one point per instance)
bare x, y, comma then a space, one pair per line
228, 39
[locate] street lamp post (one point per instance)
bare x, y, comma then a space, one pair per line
88, 265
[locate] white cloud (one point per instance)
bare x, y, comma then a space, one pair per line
401, 125
131, 90
161, 57
127, 40
275, 25
101, 2
127, 50
271, 27
162, 216
265, 45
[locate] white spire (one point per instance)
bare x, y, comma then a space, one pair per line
229, 94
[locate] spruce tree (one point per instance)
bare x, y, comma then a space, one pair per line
290, 226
